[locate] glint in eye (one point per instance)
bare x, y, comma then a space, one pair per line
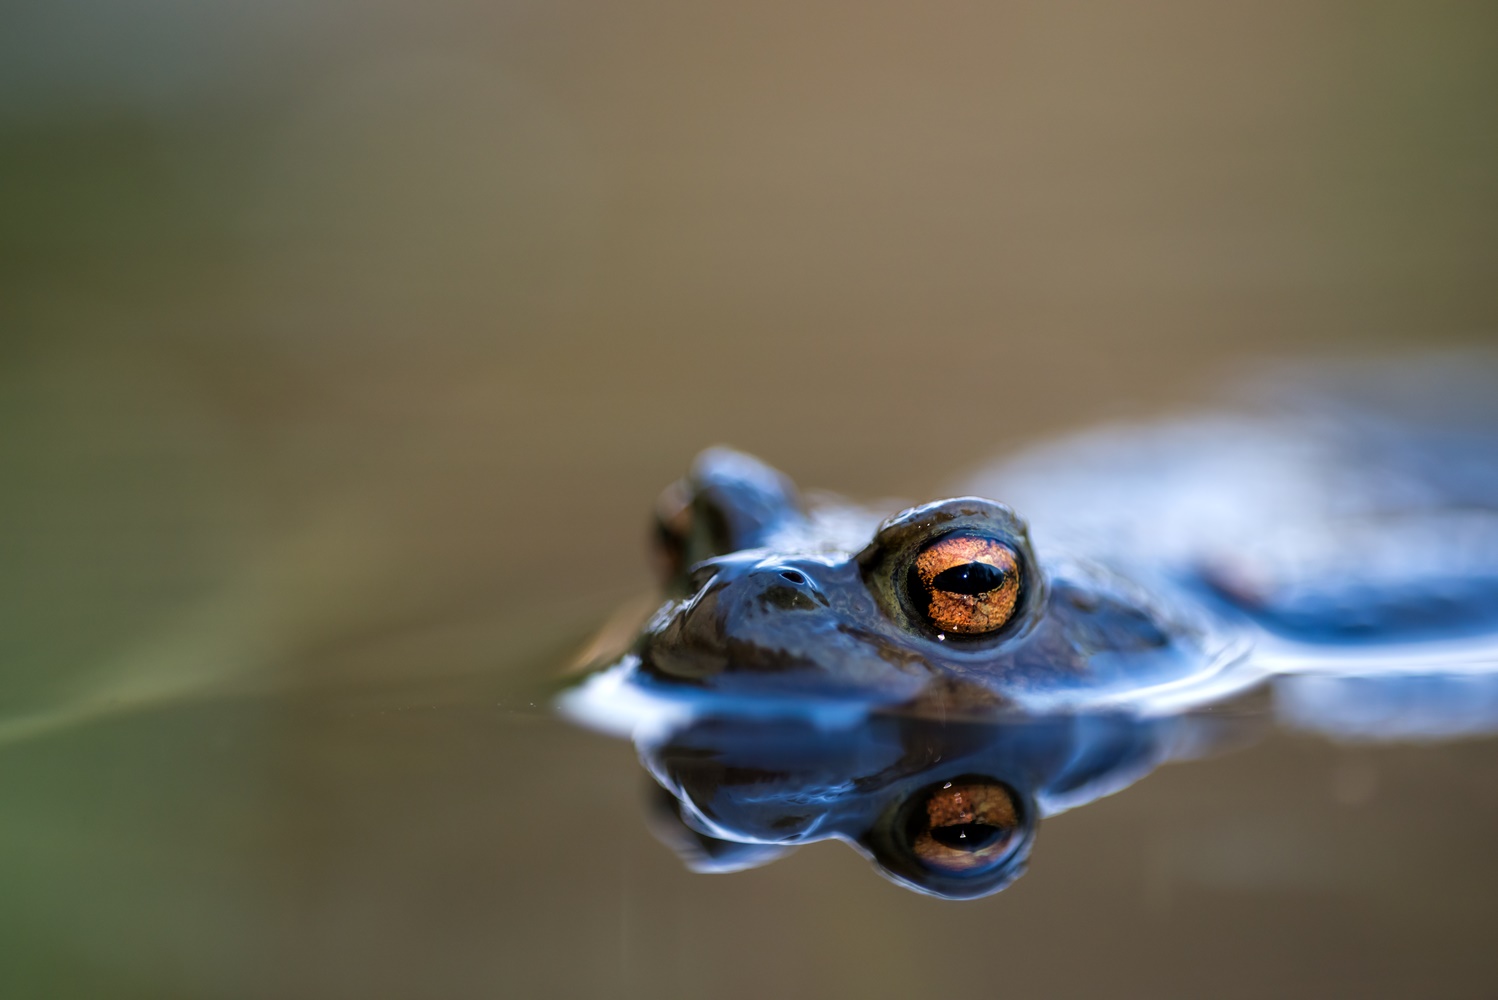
966, 584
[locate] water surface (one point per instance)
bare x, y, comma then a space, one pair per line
344, 348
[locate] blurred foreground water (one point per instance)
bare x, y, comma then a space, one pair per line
344, 347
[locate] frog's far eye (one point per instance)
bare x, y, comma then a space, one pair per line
673, 529
963, 826
966, 584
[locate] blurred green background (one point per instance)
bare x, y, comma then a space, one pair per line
344, 346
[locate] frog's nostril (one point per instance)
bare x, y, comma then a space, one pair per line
787, 589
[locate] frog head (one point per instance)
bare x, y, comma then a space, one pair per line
945, 606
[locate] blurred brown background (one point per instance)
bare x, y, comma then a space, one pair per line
344, 345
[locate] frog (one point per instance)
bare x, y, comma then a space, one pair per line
927, 682
947, 808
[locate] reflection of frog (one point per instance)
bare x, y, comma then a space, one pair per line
1165, 568
946, 808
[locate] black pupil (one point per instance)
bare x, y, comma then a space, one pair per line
969, 578
966, 836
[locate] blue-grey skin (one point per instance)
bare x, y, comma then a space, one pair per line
1340, 544
740, 791
783, 600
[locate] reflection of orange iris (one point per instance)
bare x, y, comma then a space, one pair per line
969, 613
966, 826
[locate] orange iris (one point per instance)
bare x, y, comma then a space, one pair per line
968, 584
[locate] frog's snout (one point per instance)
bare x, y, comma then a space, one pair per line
734, 596
745, 615
783, 587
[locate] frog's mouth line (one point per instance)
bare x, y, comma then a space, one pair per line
627, 700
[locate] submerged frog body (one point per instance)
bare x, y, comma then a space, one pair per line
1142, 573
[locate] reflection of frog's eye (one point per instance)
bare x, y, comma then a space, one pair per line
965, 584
964, 825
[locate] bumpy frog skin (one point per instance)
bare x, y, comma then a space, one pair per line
926, 684
781, 600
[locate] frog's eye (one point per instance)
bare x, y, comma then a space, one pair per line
672, 532
963, 826
965, 584
730, 501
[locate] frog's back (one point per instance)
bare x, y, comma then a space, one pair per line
1353, 511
